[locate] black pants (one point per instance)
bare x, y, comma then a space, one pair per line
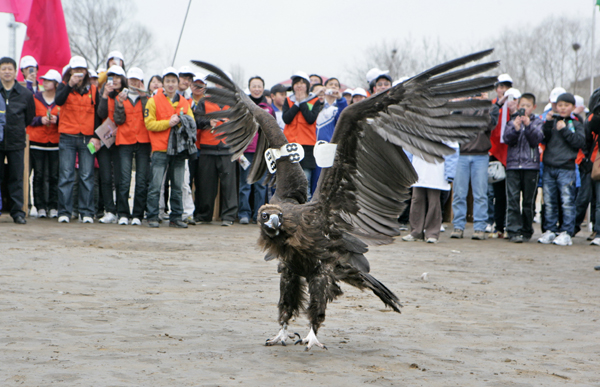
500, 204
584, 197
44, 164
13, 173
110, 173
520, 181
142, 164
209, 170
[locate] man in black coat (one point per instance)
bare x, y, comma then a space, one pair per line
20, 111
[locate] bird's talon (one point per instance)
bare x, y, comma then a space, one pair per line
298, 342
283, 343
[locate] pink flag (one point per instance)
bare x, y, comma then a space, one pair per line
19, 8
47, 39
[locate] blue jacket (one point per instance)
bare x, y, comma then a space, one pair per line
328, 118
523, 151
2, 117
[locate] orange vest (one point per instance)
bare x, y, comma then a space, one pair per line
45, 133
133, 130
208, 137
299, 130
164, 111
77, 115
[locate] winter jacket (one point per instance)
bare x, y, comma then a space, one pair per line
182, 138
20, 110
2, 116
563, 145
436, 175
157, 114
523, 151
328, 118
481, 144
498, 149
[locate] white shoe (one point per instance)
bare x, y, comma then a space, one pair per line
136, 222
53, 213
42, 213
63, 219
442, 228
410, 238
123, 221
109, 217
547, 237
432, 240
596, 242
563, 239
88, 219
489, 228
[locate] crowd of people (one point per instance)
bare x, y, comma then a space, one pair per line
92, 133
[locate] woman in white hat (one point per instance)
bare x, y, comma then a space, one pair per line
78, 101
115, 58
43, 143
29, 69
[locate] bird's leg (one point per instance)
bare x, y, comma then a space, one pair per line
291, 297
320, 287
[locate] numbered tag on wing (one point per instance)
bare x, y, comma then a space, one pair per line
324, 153
293, 150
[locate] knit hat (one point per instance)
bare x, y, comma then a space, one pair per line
566, 97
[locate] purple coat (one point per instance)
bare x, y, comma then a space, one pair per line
523, 145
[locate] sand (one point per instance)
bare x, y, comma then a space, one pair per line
108, 305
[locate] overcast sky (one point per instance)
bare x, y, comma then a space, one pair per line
274, 38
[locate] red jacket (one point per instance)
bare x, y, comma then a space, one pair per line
499, 149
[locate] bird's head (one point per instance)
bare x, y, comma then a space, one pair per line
271, 218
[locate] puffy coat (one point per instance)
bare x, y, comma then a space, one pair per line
20, 110
523, 146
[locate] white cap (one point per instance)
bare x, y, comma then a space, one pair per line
200, 77
118, 70
101, 69
348, 91
399, 81
171, 71
555, 93
116, 55
186, 70
516, 94
92, 73
77, 62
136, 72
360, 91
579, 101
300, 74
374, 73
52, 75
504, 78
28, 61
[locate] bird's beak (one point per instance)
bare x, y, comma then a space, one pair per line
273, 222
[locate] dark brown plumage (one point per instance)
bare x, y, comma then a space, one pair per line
358, 200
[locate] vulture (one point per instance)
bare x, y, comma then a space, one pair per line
359, 197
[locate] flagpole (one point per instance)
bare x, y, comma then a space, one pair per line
181, 33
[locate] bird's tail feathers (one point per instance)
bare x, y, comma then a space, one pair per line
381, 291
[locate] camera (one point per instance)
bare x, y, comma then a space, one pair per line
329, 92
521, 112
557, 117
109, 80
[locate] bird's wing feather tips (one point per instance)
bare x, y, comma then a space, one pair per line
364, 192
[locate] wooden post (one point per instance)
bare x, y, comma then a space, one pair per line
26, 177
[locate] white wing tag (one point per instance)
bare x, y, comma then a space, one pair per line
324, 153
293, 150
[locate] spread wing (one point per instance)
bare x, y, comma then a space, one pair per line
245, 118
363, 192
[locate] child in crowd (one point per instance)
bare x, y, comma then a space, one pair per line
564, 136
523, 134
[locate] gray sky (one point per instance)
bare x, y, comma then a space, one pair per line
274, 38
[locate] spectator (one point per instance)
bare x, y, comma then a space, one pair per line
383, 82
258, 190
372, 75
165, 111
315, 80
29, 69
198, 90
584, 162
20, 110
472, 168
593, 126
348, 95
426, 209
214, 165
108, 158
327, 119
279, 95
115, 58
300, 113
78, 100
358, 95
523, 135
43, 144
132, 138
186, 77
2, 123
93, 77
154, 84
564, 137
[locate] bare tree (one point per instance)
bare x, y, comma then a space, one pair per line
97, 27
237, 73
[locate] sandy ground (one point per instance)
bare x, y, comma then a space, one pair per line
108, 305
